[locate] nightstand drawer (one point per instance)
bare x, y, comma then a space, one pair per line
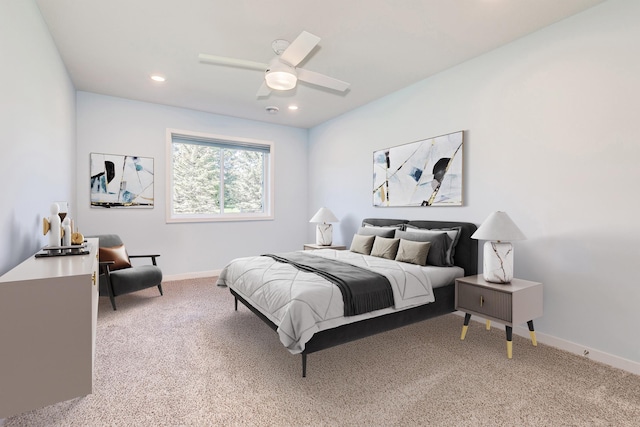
481, 300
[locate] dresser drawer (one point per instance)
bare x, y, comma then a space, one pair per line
485, 301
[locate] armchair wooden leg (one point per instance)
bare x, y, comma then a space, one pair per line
113, 302
160, 289
104, 266
110, 293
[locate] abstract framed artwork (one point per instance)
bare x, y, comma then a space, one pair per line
119, 181
422, 173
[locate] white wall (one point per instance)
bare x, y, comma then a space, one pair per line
551, 137
37, 118
119, 126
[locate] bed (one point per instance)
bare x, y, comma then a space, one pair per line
245, 279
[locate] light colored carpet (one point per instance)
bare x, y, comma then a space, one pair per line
188, 359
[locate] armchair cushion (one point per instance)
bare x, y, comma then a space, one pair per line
129, 280
117, 254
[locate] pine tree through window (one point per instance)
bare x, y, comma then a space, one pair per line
215, 178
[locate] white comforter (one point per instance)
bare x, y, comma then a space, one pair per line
301, 303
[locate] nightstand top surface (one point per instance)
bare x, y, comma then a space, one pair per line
514, 285
316, 246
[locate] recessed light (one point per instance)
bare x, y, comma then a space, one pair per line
272, 109
158, 78
293, 107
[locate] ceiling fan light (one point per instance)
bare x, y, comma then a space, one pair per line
280, 80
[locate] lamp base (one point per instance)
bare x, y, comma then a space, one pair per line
498, 262
324, 234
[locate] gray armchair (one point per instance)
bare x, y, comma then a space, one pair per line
118, 276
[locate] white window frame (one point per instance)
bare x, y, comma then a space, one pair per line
232, 141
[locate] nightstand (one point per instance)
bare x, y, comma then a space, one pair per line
311, 246
511, 303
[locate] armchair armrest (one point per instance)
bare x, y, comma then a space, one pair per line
104, 266
153, 257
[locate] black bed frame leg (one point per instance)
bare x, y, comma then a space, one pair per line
304, 365
236, 302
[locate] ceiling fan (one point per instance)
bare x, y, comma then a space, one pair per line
282, 73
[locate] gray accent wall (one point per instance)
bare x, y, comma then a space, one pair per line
551, 137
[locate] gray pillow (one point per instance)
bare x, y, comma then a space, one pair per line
385, 248
453, 232
377, 231
440, 242
398, 226
413, 252
362, 244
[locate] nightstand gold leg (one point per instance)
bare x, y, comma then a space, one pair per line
464, 332
509, 349
467, 318
488, 325
532, 333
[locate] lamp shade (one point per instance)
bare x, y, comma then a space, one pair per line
498, 226
324, 215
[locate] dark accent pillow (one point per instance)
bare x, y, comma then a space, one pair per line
454, 234
440, 242
385, 248
362, 244
413, 252
377, 231
118, 254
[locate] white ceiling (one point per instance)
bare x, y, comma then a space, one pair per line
379, 46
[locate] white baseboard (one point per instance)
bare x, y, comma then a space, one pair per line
571, 347
197, 275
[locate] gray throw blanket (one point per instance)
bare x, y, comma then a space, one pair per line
362, 290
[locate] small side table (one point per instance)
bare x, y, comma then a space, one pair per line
512, 303
311, 246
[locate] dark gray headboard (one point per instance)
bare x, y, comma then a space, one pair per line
466, 255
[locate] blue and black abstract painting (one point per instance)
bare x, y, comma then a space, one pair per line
422, 173
121, 181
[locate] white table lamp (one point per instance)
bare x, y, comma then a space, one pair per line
324, 230
499, 230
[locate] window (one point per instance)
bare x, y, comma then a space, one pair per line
218, 178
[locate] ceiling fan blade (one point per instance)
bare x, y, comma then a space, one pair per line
299, 48
322, 80
232, 62
264, 90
